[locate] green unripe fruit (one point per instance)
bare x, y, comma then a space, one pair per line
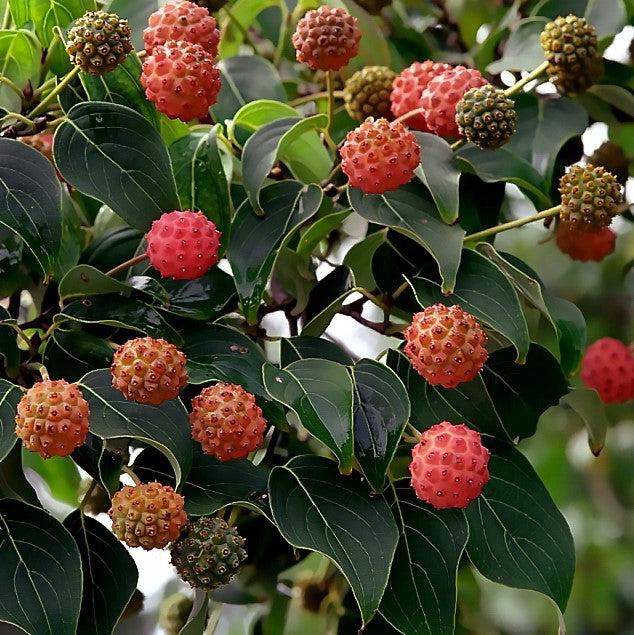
367, 93
98, 42
486, 116
610, 155
374, 7
208, 553
174, 612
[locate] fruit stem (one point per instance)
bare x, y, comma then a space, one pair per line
44, 87
86, 496
400, 290
409, 115
458, 144
41, 369
55, 92
128, 263
529, 78
547, 213
371, 297
314, 97
244, 32
127, 470
7, 82
330, 89
22, 335
285, 24
233, 517
21, 118
332, 175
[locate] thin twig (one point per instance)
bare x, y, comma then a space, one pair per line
128, 263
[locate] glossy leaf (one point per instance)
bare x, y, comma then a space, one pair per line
315, 508
59, 474
103, 461
587, 406
110, 575
45, 594
13, 482
320, 392
31, 195
20, 55
120, 148
84, 280
305, 346
165, 427
10, 395
517, 536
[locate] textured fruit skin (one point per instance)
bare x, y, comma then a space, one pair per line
208, 553
227, 422
610, 155
446, 345
183, 245
183, 21
408, 87
585, 246
98, 42
149, 515
42, 142
590, 197
374, 7
181, 80
367, 93
449, 466
608, 367
486, 117
52, 418
442, 94
571, 50
148, 370
379, 156
326, 38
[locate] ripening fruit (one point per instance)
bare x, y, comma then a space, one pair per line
181, 80
183, 21
608, 367
446, 345
407, 90
442, 94
571, 49
379, 156
590, 197
610, 155
148, 370
227, 422
486, 117
148, 515
42, 142
585, 246
326, 38
183, 245
449, 466
98, 42
208, 553
367, 93
52, 418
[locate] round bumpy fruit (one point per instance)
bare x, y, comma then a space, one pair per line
183, 245
184, 21
446, 345
608, 367
227, 422
571, 49
379, 156
147, 515
42, 142
407, 90
98, 42
208, 553
374, 7
442, 94
52, 418
449, 466
326, 38
610, 155
585, 246
590, 197
181, 80
148, 370
367, 93
486, 117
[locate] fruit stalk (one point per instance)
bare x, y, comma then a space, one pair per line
128, 263
68, 78
529, 78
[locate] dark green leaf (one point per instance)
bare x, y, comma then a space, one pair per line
9, 345
13, 482
137, 13
587, 406
42, 560
84, 280
305, 346
110, 575
102, 463
359, 259
319, 230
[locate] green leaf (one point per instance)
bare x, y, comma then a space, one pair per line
410, 211
9, 347
616, 96
359, 259
311, 238
31, 195
197, 622
305, 346
119, 147
110, 575
295, 274
200, 178
438, 170
271, 142
522, 51
517, 536
20, 55
315, 508
137, 13
320, 392
13, 482
245, 78
326, 300
84, 280
101, 462
381, 411
213, 485
421, 593
607, 16
165, 427
484, 291
255, 114
243, 15
60, 475
256, 240
587, 406
42, 560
